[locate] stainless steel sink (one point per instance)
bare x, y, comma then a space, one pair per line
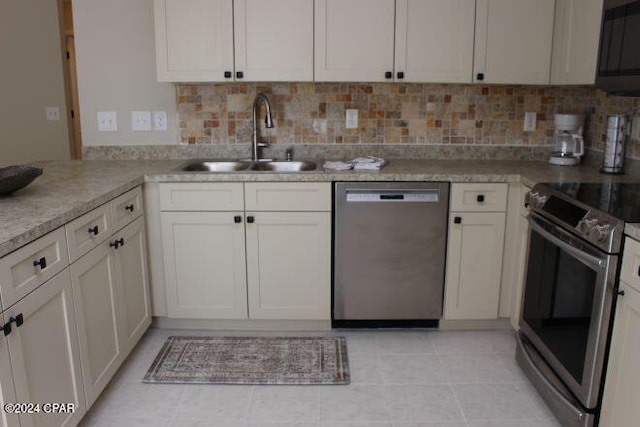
285, 166
215, 166
226, 166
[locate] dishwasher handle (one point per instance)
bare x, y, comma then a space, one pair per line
397, 195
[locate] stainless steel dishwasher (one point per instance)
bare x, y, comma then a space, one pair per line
389, 253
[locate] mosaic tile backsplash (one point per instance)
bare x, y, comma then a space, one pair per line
393, 113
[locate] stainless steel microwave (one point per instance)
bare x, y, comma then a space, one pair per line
618, 69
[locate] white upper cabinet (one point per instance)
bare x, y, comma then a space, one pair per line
227, 40
194, 40
576, 37
354, 40
274, 39
434, 40
513, 41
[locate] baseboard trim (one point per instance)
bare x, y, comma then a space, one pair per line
242, 325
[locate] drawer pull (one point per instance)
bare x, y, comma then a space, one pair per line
251, 219
42, 263
129, 208
480, 198
117, 243
18, 320
6, 328
93, 230
639, 271
237, 219
457, 220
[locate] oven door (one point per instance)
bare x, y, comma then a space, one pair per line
566, 306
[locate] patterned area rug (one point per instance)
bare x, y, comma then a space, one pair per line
251, 360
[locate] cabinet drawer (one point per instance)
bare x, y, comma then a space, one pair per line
201, 196
126, 208
296, 196
88, 231
478, 197
27, 268
630, 273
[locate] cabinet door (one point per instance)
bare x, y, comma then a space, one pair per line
422, 54
7, 391
95, 295
622, 387
289, 265
576, 37
513, 41
44, 352
194, 40
133, 283
354, 40
274, 39
474, 265
204, 261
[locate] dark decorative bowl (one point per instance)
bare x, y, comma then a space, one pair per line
13, 178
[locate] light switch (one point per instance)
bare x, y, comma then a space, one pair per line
141, 121
352, 119
107, 121
529, 122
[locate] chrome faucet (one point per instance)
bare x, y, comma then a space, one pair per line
267, 120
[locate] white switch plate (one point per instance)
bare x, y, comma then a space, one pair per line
141, 121
160, 121
529, 122
107, 121
53, 113
352, 119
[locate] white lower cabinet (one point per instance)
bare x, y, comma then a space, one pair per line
289, 265
44, 352
7, 390
204, 260
111, 296
622, 384
474, 251
270, 262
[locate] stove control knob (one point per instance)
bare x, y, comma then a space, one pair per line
587, 226
602, 232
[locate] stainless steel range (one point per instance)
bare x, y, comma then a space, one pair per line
570, 290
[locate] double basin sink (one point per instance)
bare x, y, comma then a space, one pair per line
226, 166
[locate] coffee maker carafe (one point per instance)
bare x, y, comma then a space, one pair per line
568, 142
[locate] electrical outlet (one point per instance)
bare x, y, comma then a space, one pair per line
352, 119
529, 122
141, 121
107, 121
160, 121
53, 113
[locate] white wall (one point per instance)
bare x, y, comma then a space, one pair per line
31, 78
115, 50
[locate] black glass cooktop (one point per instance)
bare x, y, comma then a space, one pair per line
617, 199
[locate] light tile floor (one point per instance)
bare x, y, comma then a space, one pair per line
399, 378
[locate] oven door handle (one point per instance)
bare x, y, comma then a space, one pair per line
586, 258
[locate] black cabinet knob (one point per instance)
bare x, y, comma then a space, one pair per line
239, 75
480, 76
117, 243
388, 75
237, 219
42, 263
227, 74
18, 320
93, 230
251, 219
400, 75
6, 328
480, 198
457, 220
129, 208
621, 293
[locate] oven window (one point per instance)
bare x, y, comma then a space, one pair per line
558, 302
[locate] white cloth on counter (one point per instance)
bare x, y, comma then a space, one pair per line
341, 166
367, 162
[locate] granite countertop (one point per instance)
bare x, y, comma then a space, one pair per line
68, 189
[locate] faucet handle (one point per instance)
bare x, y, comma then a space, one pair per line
289, 154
